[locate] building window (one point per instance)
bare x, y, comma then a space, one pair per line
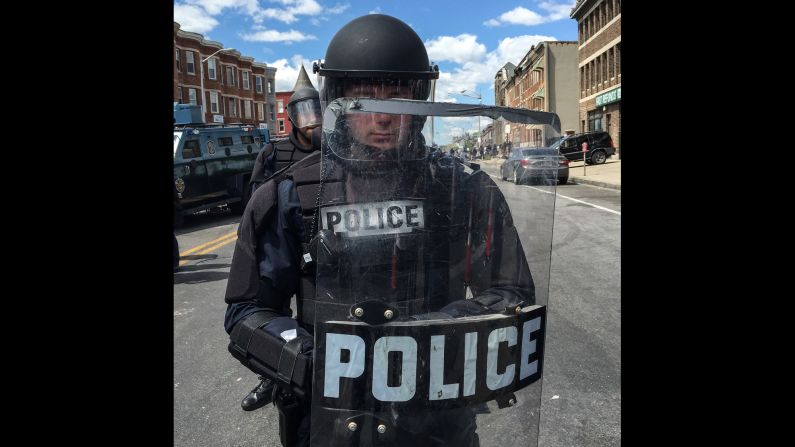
603, 57
245, 80
270, 87
230, 76
179, 94
599, 78
273, 112
280, 103
582, 80
609, 9
214, 102
192, 96
247, 109
259, 84
191, 65
595, 120
618, 58
260, 111
281, 126
211, 68
232, 108
178, 66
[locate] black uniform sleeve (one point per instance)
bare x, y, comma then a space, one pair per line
262, 166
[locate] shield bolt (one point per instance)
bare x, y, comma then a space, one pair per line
358, 312
352, 426
512, 402
381, 428
518, 309
388, 314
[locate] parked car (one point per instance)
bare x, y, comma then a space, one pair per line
600, 147
535, 164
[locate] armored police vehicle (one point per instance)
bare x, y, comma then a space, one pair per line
212, 162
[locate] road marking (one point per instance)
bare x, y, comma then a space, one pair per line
212, 248
199, 247
566, 197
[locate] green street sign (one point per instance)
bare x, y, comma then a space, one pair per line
609, 97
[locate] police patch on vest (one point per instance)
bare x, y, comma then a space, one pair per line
366, 219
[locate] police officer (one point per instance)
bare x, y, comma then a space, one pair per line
374, 56
303, 111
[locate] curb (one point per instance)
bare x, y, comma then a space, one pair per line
580, 180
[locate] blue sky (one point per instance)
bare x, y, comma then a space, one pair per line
469, 40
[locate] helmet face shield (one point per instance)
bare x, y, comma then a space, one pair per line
305, 113
332, 87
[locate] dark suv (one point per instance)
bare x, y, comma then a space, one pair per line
212, 165
600, 147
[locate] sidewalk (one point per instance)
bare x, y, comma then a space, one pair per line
607, 175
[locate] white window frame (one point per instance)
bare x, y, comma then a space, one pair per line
246, 109
211, 68
261, 111
192, 97
233, 108
273, 112
230, 75
213, 102
270, 86
179, 63
258, 82
280, 106
281, 125
190, 63
246, 77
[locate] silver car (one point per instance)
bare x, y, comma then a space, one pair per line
536, 164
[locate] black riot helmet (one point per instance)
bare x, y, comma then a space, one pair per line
378, 50
303, 110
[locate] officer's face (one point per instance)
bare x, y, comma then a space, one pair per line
379, 130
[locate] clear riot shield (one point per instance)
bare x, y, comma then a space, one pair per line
432, 277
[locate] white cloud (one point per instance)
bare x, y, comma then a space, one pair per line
523, 16
287, 71
338, 8
377, 10
194, 19
215, 7
277, 36
459, 49
472, 73
200, 13
296, 8
557, 11
513, 49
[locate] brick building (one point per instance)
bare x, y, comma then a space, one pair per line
235, 88
546, 80
599, 25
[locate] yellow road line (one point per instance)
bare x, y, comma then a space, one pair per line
213, 248
199, 247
